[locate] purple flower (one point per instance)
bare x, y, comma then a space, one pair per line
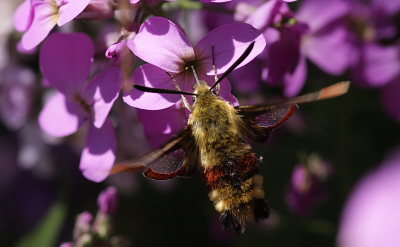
326, 44
371, 216
378, 66
166, 48
293, 38
65, 61
373, 35
306, 188
37, 17
16, 95
108, 201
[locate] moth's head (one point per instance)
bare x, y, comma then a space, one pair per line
201, 88
203, 93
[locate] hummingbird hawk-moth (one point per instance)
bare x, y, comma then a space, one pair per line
214, 141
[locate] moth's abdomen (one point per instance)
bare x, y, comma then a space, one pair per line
237, 193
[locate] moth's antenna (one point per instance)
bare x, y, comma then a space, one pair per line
240, 59
161, 90
184, 100
195, 75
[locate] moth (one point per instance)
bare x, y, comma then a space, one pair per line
214, 141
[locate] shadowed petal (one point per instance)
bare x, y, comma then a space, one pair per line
43, 22
225, 89
99, 154
70, 10
226, 93
391, 7
60, 117
294, 82
65, 60
284, 54
151, 76
160, 126
162, 43
16, 95
229, 42
102, 92
247, 78
23, 16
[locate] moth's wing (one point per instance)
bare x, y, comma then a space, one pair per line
175, 158
191, 160
260, 120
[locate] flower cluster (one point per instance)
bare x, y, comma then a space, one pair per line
98, 231
333, 35
68, 68
307, 185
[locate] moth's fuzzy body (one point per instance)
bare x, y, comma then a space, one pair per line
214, 140
230, 167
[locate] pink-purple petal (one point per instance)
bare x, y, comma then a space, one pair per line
65, 60
226, 94
23, 16
160, 126
42, 23
151, 76
102, 92
70, 10
370, 216
381, 64
263, 16
317, 13
99, 154
330, 51
60, 117
229, 42
162, 43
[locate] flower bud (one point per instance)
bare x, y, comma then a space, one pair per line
82, 224
108, 201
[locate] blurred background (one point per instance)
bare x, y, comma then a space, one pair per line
325, 170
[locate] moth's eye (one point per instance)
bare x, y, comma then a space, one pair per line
213, 92
194, 99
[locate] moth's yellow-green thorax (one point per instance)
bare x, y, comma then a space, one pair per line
216, 127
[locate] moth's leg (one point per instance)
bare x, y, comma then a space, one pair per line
184, 100
217, 88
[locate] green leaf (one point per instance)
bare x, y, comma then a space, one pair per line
46, 233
